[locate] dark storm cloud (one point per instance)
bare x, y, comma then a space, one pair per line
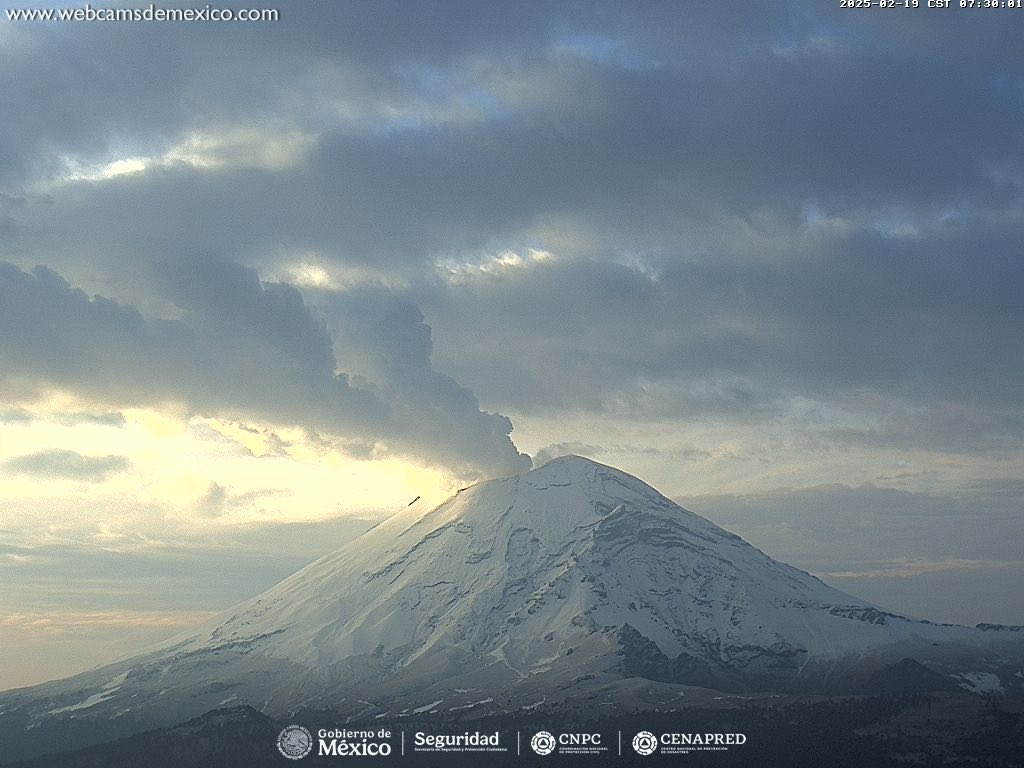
634, 150
69, 465
106, 87
102, 87
750, 128
241, 347
645, 159
926, 322
745, 206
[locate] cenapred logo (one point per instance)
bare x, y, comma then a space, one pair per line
645, 743
543, 743
294, 742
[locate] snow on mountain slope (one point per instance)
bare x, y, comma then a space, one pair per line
571, 578
566, 549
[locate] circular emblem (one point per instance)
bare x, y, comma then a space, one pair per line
645, 743
294, 742
543, 743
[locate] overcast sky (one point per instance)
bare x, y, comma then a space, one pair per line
264, 283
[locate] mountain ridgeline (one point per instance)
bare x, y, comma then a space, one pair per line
573, 585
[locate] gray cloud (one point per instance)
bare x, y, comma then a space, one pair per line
719, 267
65, 464
917, 333
241, 347
553, 451
566, 121
68, 419
16, 416
104, 419
212, 502
384, 338
743, 213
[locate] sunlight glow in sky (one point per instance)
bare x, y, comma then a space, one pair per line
285, 278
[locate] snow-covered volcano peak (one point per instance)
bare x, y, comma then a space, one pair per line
567, 555
561, 582
563, 495
583, 472
566, 491
571, 464
509, 571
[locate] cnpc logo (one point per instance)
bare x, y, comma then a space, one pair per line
544, 742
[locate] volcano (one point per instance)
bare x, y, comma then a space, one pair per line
574, 583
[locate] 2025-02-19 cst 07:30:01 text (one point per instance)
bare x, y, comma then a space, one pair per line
933, 4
